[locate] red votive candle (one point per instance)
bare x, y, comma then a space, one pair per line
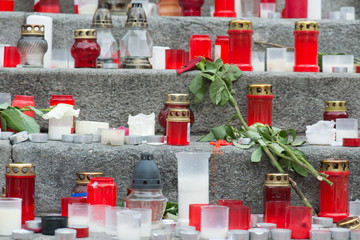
49, 6
295, 9
260, 98
298, 220
334, 199
178, 127
11, 57
6, 5
239, 217
200, 46
222, 48
334, 110
195, 215
22, 101
230, 202
275, 213
101, 191
20, 183
276, 188
357, 69
85, 50
175, 58
65, 201
240, 33
191, 7
306, 46
224, 8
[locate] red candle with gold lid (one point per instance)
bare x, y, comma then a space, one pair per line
260, 98
85, 50
334, 110
178, 127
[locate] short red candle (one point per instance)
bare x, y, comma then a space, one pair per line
178, 127
357, 69
260, 98
275, 213
102, 191
334, 199
85, 50
298, 220
82, 231
222, 48
11, 57
230, 202
6, 5
295, 9
66, 99
224, 8
174, 58
20, 183
306, 46
65, 201
200, 46
22, 101
239, 217
191, 7
334, 110
240, 34
49, 6
195, 215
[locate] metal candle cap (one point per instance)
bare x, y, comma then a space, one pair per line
280, 234
178, 115
32, 30
22, 234
324, 221
19, 137
102, 18
335, 106
20, 169
306, 26
340, 233
136, 17
133, 140
65, 233
260, 89
33, 224
350, 223
177, 99
83, 178
240, 25
334, 165
38, 137
85, 34
321, 234
238, 234
277, 179
339, 69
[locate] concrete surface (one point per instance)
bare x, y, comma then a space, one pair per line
5, 158
111, 95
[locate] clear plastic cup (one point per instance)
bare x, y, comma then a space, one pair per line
87, 6
334, 15
346, 128
97, 215
276, 59
214, 221
78, 214
111, 221
266, 8
146, 214
347, 13
10, 215
129, 225
258, 61
330, 61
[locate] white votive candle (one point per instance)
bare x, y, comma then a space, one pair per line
113, 137
10, 215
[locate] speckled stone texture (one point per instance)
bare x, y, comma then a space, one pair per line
5, 158
111, 95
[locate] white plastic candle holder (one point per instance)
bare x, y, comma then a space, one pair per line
214, 221
347, 13
330, 61
89, 127
78, 214
111, 221
10, 215
146, 216
259, 234
97, 216
324, 221
129, 225
276, 59
258, 61
113, 137
346, 128
266, 8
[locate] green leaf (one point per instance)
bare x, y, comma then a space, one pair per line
207, 138
284, 163
201, 65
264, 131
277, 147
214, 88
275, 131
262, 143
253, 135
293, 134
283, 137
37, 111
5, 105
230, 131
208, 76
224, 98
299, 169
3, 123
219, 132
219, 62
298, 144
210, 67
219, 95
18, 121
256, 155
235, 72
197, 87
242, 146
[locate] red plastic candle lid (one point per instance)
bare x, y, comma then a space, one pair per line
82, 231
351, 142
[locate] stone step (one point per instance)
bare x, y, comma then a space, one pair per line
235, 176
336, 36
111, 95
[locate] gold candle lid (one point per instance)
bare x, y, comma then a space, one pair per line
178, 115
20, 169
349, 222
83, 178
32, 30
277, 179
334, 165
335, 106
260, 89
177, 99
306, 26
240, 25
85, 34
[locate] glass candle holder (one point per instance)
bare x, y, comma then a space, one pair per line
49, 6
214, 221
239, 217
346, 128
224, 8
174, 58
129, 225
222, 48
298, 220
260, 98
276, 188
337, 194
334, 110
20, 183
102, 190
146, 219
195, 215
7, 5
200, 46
178, 127
111, 222
85, 49
191, 7
276, 59
192, 167
78, 214
275, 212
65, 201
169, 8
10, 215
337, 61
240, 33
295, 9
306, 46
11, 57
97, 216
22, 101
32, 45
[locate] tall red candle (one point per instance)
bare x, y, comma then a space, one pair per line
260, 98
240, 34
178, 127
224, 8
222, 48
20, 183
306, 46
334, 199
101, 191
295, 9
85, 50
22, 101
200, 46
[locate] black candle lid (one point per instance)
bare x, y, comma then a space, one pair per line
51, 223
